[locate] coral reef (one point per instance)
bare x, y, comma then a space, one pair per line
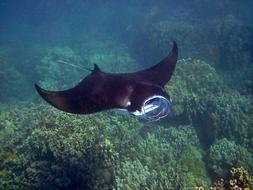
208, 132
156, 162
192, 164
160, 34
54, 150
135, 175
238, 179
224, 154
59, 60
10, 79
44, 148
111, 56
203, 99
233, 53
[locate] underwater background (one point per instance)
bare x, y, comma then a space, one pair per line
205, 143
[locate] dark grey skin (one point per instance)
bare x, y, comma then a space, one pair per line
102, 91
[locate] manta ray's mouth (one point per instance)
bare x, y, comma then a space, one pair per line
154, 108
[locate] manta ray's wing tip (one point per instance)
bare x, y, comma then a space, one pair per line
50, 96
43, 93
40, 90
175, 47
37, 87
58, 99
173, 54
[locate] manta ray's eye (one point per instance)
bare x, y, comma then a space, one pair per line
156, 107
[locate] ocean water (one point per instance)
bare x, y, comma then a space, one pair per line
205, 142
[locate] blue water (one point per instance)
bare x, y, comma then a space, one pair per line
52, 43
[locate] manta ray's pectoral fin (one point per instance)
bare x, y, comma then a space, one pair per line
138, 91
160, 73
76, 100
63, 100
96, 92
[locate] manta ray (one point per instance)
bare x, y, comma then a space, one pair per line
140, 93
